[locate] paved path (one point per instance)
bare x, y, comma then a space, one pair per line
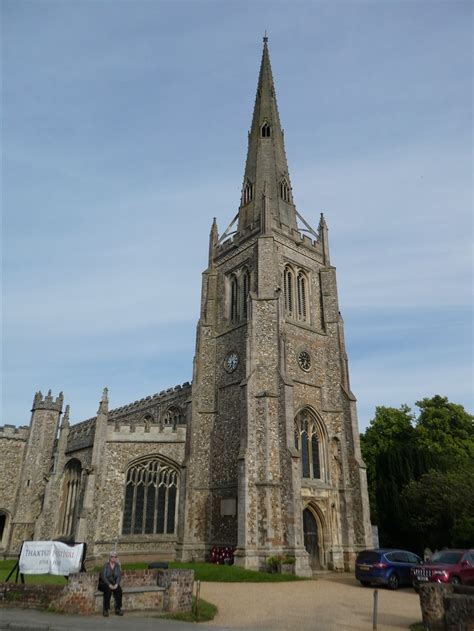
333, 603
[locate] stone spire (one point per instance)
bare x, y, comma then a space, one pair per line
266, 178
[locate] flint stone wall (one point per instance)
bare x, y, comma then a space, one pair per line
447, 607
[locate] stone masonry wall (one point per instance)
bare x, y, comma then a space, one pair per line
12, 448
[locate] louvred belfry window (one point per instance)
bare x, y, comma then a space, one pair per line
247, 194
301, 282
245, 292
151, 490
234, 299
285, 191
266, 130
288, 285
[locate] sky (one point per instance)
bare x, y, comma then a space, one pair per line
124, 133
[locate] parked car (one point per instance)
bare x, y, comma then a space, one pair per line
385, 566
447, 566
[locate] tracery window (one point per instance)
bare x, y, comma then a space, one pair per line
71, 496
151, 490
285, 191
173, 417
245, 292
247, 194
234, 299
266, 130
311, 442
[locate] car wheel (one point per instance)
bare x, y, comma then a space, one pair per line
365, 583
455, 580
393, 582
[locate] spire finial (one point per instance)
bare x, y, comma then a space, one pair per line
265, 37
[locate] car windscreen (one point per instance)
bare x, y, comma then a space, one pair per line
368, 556
446, 558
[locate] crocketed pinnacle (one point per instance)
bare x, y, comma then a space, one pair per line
266, 170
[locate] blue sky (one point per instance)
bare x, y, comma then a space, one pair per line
124, 132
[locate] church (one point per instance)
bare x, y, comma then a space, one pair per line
259, 453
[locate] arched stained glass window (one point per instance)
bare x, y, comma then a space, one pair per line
309, 441
150, 498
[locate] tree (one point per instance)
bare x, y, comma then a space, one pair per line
439, 507
445, 428
390, 429
412, 463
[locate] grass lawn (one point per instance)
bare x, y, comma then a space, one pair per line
30, 579
417, 626
202, 572
219, 573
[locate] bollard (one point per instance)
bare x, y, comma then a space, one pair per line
376, 604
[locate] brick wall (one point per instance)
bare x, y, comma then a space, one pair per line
77, 596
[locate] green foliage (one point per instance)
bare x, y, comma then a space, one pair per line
440, 507
403, 452
202, 613
445, 428
390, 428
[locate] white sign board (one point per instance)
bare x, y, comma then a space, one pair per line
50, 557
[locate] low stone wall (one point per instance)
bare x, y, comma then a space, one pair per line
447, 607
157, 590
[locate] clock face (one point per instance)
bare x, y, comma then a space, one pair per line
231, 361
304, 360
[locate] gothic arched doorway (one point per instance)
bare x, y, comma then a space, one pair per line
311, 539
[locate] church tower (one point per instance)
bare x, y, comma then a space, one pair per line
273, 462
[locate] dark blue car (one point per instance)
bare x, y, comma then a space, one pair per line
385, 567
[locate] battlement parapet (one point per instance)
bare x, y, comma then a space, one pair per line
47, 402
12, 431
142, 404
81, 435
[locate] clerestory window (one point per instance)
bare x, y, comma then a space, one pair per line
173, 417
151, 490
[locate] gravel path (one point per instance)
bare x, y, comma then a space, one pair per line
334, 603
